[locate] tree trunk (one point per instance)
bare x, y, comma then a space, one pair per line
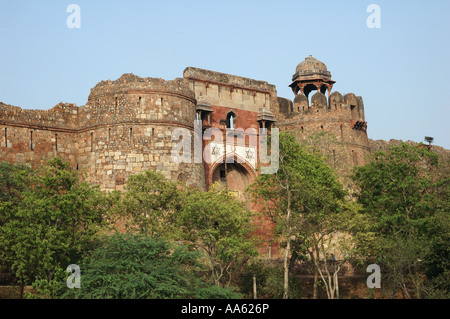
288, 247
286, 269
336, 280
255, 296
316, 284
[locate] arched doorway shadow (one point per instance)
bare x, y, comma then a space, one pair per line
235, 176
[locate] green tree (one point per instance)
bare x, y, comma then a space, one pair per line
13, 179
50, 220
404, 193
149, 203
306, 200
214, 222
137, 266
219, 225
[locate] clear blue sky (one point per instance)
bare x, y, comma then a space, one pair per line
401, 69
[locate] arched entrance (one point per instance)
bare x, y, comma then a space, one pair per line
234, 176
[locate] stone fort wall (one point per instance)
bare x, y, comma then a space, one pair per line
125, 127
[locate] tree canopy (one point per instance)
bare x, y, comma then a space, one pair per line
404, 192
138, 266
48, 217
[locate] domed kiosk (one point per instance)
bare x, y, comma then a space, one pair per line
311, 74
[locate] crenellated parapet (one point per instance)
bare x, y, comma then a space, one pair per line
61, 115
134, 99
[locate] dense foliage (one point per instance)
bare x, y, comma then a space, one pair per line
405, 197
48, 217
307, 202
137, 266
161, 239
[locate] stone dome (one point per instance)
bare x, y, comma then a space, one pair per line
311, 67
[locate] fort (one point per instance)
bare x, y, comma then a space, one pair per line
126, 125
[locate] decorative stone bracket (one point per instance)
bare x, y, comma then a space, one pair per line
204, 107
265, 116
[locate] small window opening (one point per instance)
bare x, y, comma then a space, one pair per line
56, 142
31, 140
231, 119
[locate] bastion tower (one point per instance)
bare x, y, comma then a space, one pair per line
325, 111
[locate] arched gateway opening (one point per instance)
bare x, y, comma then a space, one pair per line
232, 176
235, 176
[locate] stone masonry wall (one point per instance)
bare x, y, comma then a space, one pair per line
341, 116
36, 136
125, 127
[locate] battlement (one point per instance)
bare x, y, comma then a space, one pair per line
235, 81
61, 115
349, 106
230, 91
130, 83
